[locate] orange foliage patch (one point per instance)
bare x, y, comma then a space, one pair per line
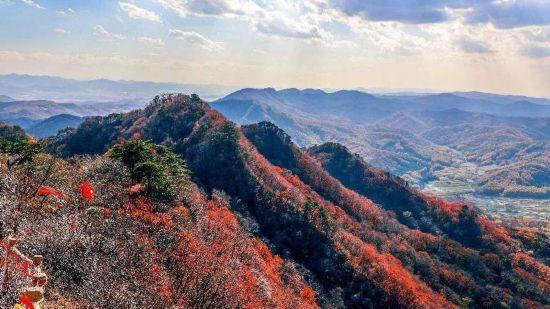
389, 274
141, 208
532, 270
444, 207
497, 232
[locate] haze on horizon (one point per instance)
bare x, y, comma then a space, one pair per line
500, 46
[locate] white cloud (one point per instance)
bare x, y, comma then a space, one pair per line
66, 12
283, 19
106, 35
136, 12
61, 31
219, 8
33, 4
176, 5
195, 38
155, 42
283, 27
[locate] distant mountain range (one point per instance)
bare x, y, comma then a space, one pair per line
50, 126
29, 87
416, 136
29, 113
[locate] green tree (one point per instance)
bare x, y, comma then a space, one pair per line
19, 151
156, 166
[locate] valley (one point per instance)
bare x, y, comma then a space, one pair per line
459, 183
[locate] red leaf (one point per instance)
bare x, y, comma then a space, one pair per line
51, 191
25, 301
87, 191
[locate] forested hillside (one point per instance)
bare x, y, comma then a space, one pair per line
284, 232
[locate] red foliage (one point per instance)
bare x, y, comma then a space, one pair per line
446, 208
44, 191
388, 273
455, 279
25, 301
87, 190
308, 294
135, 189
494, 231
530, 269
141, 208
107, 212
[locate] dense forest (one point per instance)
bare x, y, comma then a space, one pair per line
175, 206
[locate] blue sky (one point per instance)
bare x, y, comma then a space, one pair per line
499, 46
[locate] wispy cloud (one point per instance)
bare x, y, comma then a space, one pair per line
287, 28
33, 4
106, 35
220, 8
61, 31
66, 12
276, 19
195, 38
155, 42
137, 12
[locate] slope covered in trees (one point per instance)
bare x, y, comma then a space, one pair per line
130, 229
341, 248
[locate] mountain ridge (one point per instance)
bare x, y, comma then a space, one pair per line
309, 217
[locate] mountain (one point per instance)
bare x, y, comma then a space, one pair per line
418, 136
353, 105
444, 101
5, 98
29, 87
363, 108
158, 240
50, 126
374, 243
500, 98
29, 113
